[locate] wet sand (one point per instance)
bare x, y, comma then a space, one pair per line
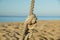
44, 30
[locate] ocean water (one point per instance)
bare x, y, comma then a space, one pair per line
23, 18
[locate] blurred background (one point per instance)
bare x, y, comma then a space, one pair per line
22, 7
18, 10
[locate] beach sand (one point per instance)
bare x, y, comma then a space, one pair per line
44, 30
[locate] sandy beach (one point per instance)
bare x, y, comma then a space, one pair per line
44, 30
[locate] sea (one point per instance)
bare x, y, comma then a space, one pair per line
23, 18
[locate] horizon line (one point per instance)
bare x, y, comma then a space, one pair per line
22, 16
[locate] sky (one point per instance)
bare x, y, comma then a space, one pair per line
22, 7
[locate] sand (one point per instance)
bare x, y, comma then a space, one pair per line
44, 30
